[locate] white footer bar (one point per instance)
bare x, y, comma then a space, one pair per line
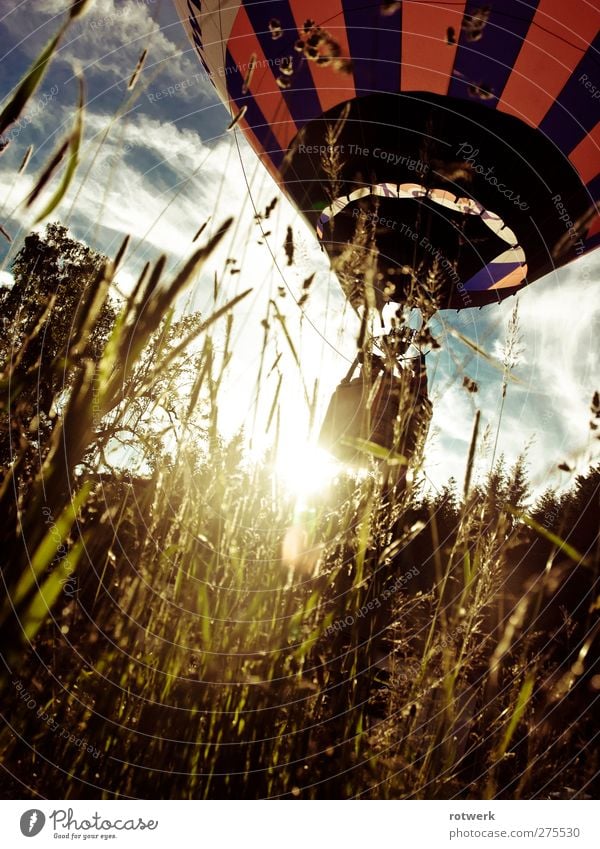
302, 824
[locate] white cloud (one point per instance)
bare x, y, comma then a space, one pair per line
109, 39
547, 411
6, 279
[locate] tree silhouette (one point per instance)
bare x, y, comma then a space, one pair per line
53, 275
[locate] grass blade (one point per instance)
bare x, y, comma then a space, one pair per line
72, 162
29, 83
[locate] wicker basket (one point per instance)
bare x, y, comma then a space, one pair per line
397, 417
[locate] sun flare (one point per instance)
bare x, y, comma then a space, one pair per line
304, 468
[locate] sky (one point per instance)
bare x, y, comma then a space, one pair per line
158, 162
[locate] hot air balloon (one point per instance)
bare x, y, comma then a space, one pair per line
446, 154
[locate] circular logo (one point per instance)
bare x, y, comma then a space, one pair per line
32, 822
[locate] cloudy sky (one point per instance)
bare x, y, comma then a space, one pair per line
158, 161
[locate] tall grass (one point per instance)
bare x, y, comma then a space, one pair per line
186, 633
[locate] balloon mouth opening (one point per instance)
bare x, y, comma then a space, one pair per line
405, 234
449, 157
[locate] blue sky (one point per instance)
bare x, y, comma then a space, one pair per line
160, 166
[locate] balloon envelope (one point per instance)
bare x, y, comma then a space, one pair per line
449, 148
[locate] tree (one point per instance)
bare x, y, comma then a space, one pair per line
53, 275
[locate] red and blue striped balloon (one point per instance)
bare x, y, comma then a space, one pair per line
467, 133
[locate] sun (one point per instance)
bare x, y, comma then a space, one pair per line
303, 467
